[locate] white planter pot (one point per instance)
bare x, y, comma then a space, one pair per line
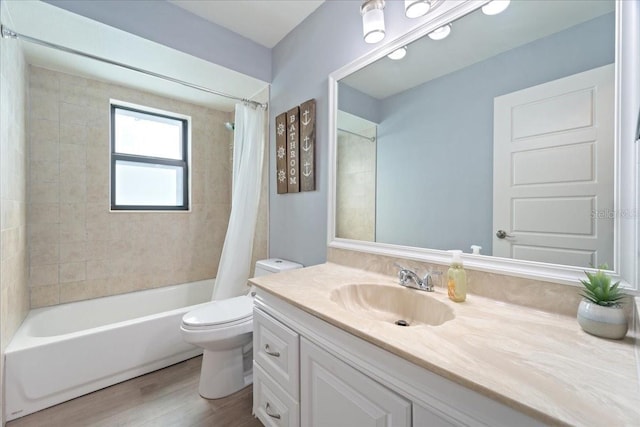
606, 322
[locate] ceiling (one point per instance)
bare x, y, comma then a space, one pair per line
55, 25
266, 22
474, 38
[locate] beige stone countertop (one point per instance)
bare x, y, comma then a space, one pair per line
539, 363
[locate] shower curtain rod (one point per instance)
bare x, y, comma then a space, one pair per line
370, 138
8, 33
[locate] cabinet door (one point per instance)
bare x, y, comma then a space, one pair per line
423, 417
333, 394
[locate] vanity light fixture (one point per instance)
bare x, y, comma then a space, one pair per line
495, 7
416, 8
440, 33
398, 53
372, 20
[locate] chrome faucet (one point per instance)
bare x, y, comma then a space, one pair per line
410, 279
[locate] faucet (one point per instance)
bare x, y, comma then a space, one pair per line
410, 279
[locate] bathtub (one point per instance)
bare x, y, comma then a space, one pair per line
65, 351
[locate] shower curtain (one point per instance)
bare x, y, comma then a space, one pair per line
248, 152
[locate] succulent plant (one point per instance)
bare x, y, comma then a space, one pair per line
599, 290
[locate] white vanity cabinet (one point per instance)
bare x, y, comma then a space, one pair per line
333, 394
310, 373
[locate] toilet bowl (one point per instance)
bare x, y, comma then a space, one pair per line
223, 329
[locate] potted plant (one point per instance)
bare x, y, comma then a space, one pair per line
600, 312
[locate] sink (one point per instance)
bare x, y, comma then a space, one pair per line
393, 304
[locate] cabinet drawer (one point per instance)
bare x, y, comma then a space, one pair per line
276, 350
271, 404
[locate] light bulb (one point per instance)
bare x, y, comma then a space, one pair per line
495, 7
440, 33
398, 53
373, 21
416, 8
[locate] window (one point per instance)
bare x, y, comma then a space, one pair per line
149, 168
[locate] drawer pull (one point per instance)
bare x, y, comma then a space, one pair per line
266, 409
271, 353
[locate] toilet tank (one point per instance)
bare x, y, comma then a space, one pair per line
274, 265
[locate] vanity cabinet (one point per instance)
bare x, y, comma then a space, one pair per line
311, 373
334, 394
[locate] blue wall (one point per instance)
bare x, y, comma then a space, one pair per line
327, 40
448, 146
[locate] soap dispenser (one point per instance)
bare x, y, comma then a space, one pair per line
457, 278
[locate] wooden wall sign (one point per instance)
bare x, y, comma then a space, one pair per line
307, 145
293, 142
281, 153
295, 149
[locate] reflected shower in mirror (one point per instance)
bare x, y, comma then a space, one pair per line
500, 136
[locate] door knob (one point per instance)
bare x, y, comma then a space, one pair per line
501, 234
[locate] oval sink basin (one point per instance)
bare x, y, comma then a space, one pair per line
396, 305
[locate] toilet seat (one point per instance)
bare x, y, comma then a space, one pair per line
220, 314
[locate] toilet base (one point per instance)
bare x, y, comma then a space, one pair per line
222, 373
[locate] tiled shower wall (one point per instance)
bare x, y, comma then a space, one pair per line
14, 293
78, 248
356, 189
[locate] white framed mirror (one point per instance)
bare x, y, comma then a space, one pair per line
544, 91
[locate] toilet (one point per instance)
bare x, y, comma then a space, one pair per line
224, 330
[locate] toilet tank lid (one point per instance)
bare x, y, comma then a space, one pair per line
276, 265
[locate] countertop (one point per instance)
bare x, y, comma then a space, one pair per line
539, 363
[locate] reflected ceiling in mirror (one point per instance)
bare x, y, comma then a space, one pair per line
500, 136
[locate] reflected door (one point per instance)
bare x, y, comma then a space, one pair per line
553, 171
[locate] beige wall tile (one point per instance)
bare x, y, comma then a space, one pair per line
9, 240
44, 171
42, 275
97, 252
72, 272
73, 232
43, 105
44, 192
44, 213
44, 233
46, 151
73, 190
78, 291
98, 136
72, 212
73, 252
100, 269
43, 132
73, 134
40, 78
14, 290
44, 253
43, 296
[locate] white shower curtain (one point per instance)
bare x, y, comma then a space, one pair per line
248, 152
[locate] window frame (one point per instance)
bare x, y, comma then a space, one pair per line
136, 158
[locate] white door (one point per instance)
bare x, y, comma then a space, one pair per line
554, 171
333, 394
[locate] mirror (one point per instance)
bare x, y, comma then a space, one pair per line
500, 136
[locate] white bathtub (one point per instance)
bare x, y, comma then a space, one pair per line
68, 350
